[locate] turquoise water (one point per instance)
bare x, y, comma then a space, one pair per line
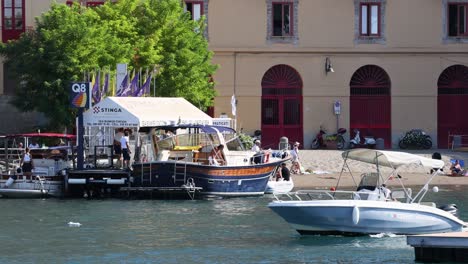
241, 230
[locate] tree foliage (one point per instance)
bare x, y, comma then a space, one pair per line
69, 41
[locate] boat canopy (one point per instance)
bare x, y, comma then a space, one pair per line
392, 159
205, 129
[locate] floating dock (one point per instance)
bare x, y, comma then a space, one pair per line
165, 192
444, 247
95, 182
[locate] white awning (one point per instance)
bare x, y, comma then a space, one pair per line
144, 112
392, 159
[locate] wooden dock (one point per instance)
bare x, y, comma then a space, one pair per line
444, 247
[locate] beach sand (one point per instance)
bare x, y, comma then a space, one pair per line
325, 167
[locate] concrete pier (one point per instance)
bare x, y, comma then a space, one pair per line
444, 247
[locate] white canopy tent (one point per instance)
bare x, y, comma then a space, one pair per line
102, 119
144, 112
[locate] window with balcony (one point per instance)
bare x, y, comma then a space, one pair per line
369, 21
282, 21
12, 19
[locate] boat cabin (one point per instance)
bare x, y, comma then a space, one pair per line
194, 143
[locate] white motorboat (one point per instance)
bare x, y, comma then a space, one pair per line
49, 162
278, 187
372, 208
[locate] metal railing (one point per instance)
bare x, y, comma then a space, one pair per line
457, 141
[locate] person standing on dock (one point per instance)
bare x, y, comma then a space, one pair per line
124, 144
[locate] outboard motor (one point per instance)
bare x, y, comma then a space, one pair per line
451, 208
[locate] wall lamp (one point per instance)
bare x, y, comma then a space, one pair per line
328, 66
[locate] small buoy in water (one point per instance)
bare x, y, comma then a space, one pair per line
332, 189
435, 189
74, 224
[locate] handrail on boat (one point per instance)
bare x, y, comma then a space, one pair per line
326, 195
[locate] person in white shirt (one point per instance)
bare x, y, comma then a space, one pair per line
33, 145
124, 143
296, 164
27, 163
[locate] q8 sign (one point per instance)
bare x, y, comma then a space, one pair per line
80, 95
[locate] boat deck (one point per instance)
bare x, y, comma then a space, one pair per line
440, 247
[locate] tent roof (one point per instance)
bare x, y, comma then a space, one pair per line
392, 159
144, 112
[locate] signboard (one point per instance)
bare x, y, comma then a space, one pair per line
337, 107
121, 73
225, 122
80, 95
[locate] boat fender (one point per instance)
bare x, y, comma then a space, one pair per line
9, 182
355, 215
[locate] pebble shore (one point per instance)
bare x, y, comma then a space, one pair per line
325, 166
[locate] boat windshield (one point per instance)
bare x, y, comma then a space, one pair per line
369, 181
195, 141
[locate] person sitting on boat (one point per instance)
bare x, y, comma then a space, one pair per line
260, 156
387, 193
455, 169
217, 156
27, 163
33, 145
283, 173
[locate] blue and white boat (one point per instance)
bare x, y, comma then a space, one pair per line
372, 208
181, 158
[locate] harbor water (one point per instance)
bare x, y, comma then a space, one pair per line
237, 230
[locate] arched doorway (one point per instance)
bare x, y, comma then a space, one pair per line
281, 106
452, 97
370, 103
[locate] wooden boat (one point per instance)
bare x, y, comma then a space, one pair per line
182, 160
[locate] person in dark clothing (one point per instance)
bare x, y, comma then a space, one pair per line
283, 173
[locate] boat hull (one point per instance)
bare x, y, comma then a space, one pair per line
358, 217
22, 188
214, 180
278, 187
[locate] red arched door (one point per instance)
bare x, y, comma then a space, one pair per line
281, 106
451, 111
370, 103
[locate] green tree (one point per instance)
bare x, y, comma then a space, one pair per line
67, 42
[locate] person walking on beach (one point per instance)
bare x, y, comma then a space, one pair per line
26, 163
296, 164
124, 144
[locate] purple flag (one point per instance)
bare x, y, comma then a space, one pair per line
145, 88
132, 87
96, 93
105, 87
123, 86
